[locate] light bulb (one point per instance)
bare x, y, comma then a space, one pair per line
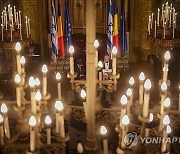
38, 96
37, 82
4, 108
164, 86
58, 76
167, 102
22, 60
168, 129
100, 64
71, 49
167, 56
147, 84
31, 82
83, 94
18, 47
80, 148
142, 76
129, 92
17, 78
59, 105
151, 117
123, 100
48, 120
166, 120
32, 121
131, 81
96, 43
125, 120
44, 69
114, 50
1, 118
103, 130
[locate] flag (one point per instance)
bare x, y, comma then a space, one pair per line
54, 33
123, 36
61, 50
67, 29
116, 31
110, 29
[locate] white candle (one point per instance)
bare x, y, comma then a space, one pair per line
18, 90
2, 32
33, 100
57, 122
165, 67
44, 70
29, 28
27, 33
12, 22
170, 18
71, 51
158, 16
103, 131
20, 30
162, 16
114, 52
155, 29
2, 19
141, 88
166, 131
6, 20
48, 131
96, 45
173, 29
15, 19
152, 20
20, 18
174, 14
22, 62
164, 30
163, 96
11, 31
32, 123
125, 122
18, 49
1, 130
149, 25
179, 99
129, 94
58, 78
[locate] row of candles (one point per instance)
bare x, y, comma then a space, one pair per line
168, 18
12, 17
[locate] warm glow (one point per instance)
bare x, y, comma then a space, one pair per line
168, 129
32, 121
151, 117
147, 84
58, 76
71, 49
114, 50
59, 105
48, 120
100, 64
96, 43
167, 56
164, 86
165, 69
80, 148
125, 120
166, 120
1, 118
18, 46
37, 82
83, 94
44, 69
38, 96
103, 130
22, 60
4, 108
17, 78
129, 92
142, 76
31, 82
131, 81
124, 100
167, 102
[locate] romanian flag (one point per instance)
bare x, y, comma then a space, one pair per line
116, 33
61, 50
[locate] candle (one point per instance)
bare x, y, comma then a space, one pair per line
149, 25
152, 20
20, 18
18, 49
11, 31
27, 33
166, 131
158, 16
15, 19
147, 86
48, 131
155, 26
174, 11
173, 28
58, 78
4, 111
131, 82
33, 100
12, 22
37, 83
18, 90
162, 16
29, 28
163, 96
114, 52
141, 89
164, 30
123, 101
167, 12
20, 31
165, 68
2, 32
22, 62
32, 123
96, 45
71, 51
125, 122
1, 130
44, 70
129, 95
103, 131
6, 20
170, 18
38, 98
83, 94
2, 19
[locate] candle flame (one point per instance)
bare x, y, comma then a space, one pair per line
142, 76
32, 121
151, 117
17, 78
129, 92
71, 49
103, 130
37, 82
100, 64
48, 120
4, 108
125, 120
59, 105
58, 76
123, 100
167, 102
147, 84
114, 50
83, 94
164, 86
44, 69
131, 81
166, 120
22, 60
168, 129
80, 148
31, 82
96, 43
18, 47
167, 56
38, 96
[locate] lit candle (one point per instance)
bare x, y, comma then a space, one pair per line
12, 22
18, 49
129, 95
1, 130
22, 62
32, 123
173, 28
131, 82
125, 122
58, 78
158, 16
149, 25
114, 52
96, 45
123, 109
103, 131
2, 18
155, 27
166, 64
11, 28
147, 86
2, 32
71, 51
33, 100
166, 131
141, 89
60, 118
20, 19
38, 98
83, 94
18, 90
152, 20
170, 18
162, 16
163, 96
29, 27
27, 33
100, 65
174, 11
164, 30
48, 130
4, 111
37, 83
44, 84
6, 20
15, 19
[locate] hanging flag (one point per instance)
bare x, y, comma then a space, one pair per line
110, 29
123, 36
116, 31
61, 50
54, 33
67, 29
